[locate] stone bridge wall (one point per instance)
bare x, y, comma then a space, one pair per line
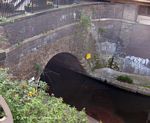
128, 43
29, 26
32, 40
35, 39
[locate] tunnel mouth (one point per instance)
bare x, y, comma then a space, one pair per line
57, 65
63, 60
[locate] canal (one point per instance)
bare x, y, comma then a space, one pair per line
110, 104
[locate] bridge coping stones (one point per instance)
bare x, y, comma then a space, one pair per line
137, 87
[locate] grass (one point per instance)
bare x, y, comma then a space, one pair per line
146, 86
125, 78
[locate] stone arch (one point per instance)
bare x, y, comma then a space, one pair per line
62, 60
58, 74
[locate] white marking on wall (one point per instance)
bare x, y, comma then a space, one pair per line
74, 15
63, 17
139, 65
138, 60
108, 47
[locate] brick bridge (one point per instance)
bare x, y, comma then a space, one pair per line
27, 43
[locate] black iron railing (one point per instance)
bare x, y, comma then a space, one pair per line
10, 8
13, 7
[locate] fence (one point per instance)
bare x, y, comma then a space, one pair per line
10, 8
14, 7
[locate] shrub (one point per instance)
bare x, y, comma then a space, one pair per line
31, 105
125, 78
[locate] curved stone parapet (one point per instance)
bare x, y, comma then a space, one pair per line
8, 116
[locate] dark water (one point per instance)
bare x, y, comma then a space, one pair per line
102, 101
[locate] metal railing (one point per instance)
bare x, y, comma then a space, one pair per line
14, 7
10, 8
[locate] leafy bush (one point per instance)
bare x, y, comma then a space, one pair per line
125, 78
31, 105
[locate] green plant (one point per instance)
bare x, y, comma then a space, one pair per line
125, 78
5, 20
101, 30
95, 63
37, 67
146, 86
29, 105
85, 21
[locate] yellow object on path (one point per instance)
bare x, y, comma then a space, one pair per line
88, 56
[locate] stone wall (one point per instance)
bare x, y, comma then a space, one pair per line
29, 26
32, 40
35, 39
128, 43
23, 58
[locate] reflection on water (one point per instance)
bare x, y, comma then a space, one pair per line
102, 101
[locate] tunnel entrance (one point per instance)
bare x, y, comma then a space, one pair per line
68, 79
58, 62
60, 75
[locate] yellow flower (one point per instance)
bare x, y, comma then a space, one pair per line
88, 56
30, 94
33, 92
